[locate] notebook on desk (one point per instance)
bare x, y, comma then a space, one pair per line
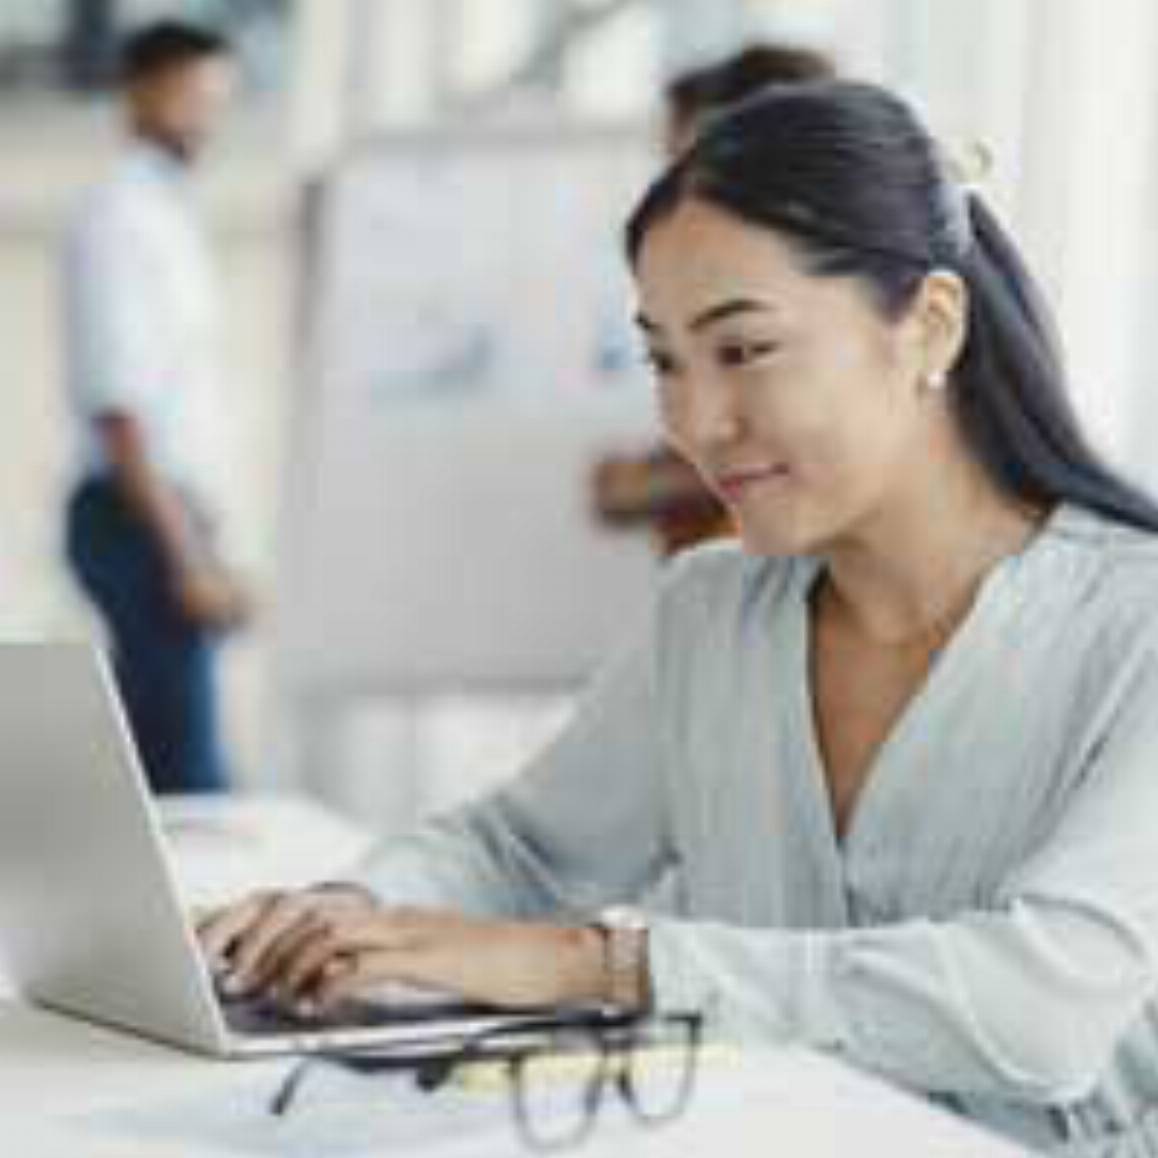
91, 921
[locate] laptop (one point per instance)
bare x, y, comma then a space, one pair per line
91, 922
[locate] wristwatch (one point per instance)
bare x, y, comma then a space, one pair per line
624, 931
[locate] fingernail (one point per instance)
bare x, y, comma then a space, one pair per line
232, 984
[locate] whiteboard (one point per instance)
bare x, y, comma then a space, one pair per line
470, 357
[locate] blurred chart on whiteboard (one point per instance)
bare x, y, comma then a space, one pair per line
476, 265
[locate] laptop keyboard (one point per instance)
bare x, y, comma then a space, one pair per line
264, 1017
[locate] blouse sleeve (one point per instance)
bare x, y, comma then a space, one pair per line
1026, 999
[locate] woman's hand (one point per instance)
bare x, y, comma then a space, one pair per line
248, 943
505, 963
315, 949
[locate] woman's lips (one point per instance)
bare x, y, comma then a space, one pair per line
735, 484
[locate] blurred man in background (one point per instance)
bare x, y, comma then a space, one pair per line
659, 490
142, 347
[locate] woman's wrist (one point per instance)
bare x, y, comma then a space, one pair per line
617, 948
583, 977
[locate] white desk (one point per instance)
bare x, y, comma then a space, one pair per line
64, 1085
73, 1090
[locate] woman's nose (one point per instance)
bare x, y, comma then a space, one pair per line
712, 415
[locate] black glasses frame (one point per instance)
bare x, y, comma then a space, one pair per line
616, 1050
615, 1038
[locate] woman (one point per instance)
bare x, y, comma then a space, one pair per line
899, 746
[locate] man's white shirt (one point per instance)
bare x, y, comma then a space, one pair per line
142, 325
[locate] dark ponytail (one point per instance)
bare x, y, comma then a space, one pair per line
1011, 399
846, 173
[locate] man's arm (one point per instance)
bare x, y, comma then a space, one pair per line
202, 589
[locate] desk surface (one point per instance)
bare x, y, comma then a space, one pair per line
69, 1089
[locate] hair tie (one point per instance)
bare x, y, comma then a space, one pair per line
965, 165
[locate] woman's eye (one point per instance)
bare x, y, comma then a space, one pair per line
741, 353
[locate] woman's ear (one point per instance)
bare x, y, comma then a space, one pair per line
940, 312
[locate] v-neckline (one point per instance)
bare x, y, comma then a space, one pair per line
884, 777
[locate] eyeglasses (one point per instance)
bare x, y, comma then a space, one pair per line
557, 1069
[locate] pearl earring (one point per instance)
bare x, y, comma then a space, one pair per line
935, 380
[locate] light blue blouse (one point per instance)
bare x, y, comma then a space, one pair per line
987, 931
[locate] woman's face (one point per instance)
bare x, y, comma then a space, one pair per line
798, 401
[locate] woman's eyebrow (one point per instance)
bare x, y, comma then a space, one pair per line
710, 316
728, 309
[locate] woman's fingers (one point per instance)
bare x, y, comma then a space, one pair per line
282, 951
316, 954
347, 936
219, 930
275, 919
252, 942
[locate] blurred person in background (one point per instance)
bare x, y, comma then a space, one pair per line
142, 347
659, 490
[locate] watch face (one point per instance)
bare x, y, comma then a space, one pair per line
622, 917
625, 932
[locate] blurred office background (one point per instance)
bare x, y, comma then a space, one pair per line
1060, 95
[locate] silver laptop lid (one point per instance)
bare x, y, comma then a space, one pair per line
90, 918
